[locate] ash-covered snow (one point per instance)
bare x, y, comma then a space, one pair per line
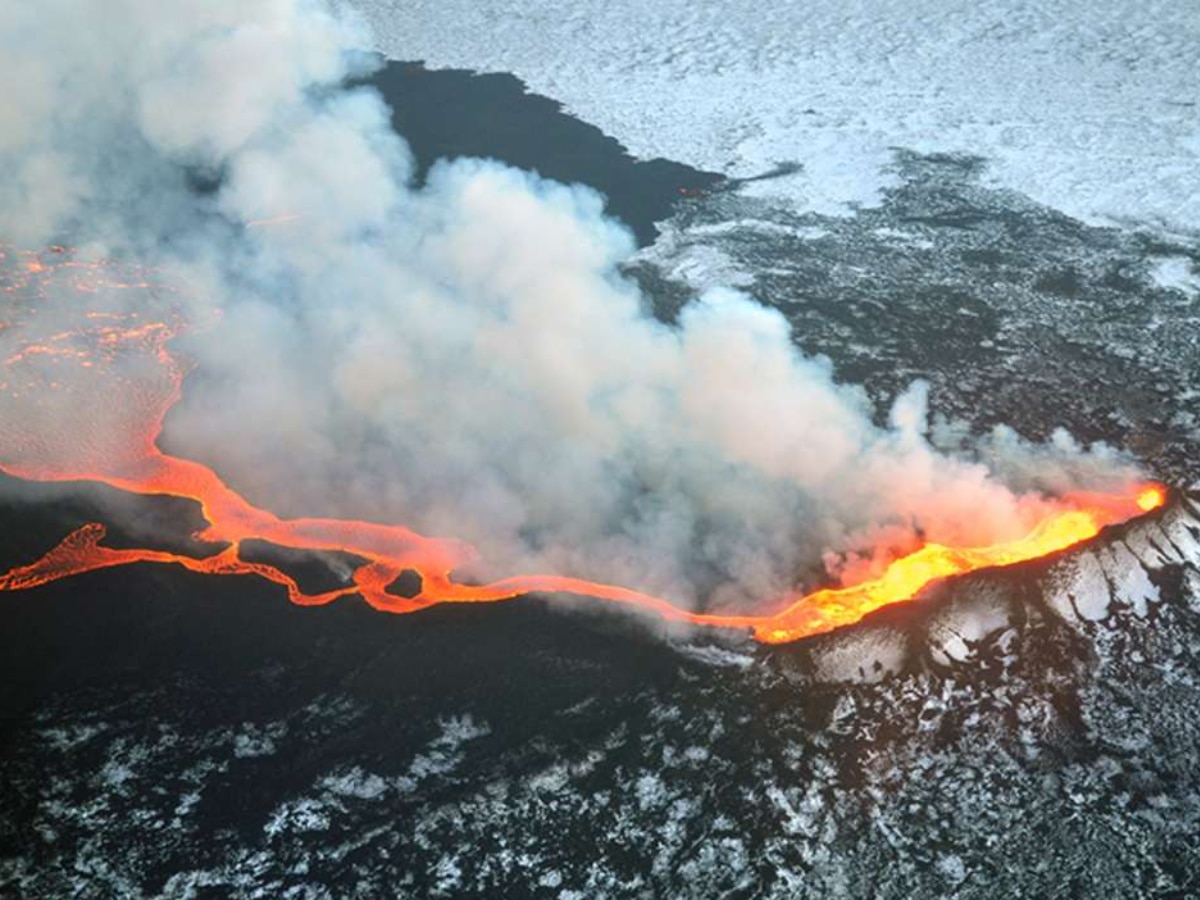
1087, 106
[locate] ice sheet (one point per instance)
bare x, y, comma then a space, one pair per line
1089, 106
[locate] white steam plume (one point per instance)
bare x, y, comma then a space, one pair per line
463, 358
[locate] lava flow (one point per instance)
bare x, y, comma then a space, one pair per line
58, 382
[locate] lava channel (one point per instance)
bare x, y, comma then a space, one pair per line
59, 383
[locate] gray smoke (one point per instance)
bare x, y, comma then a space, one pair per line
465, 357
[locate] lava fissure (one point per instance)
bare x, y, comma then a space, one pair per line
124, 454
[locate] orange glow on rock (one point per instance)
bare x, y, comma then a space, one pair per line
87, 439
828, 609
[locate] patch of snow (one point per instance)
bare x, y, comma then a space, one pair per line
953, 868
865, 655
1130, 580
444, 752
1177, 273
355, 783
253, 741
956, 629
698, 265
1077, 590
302, 815
716, 656
68, 737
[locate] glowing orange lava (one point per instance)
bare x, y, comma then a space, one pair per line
59, 383
1151, 497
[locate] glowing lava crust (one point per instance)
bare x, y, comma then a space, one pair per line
63, 380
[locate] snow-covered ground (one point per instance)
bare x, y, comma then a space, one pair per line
1089, 106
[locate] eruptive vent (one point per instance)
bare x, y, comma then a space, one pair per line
87, 404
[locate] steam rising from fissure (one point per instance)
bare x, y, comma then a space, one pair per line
464, 358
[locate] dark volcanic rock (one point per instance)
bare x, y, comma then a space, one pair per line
449, 113
183, 738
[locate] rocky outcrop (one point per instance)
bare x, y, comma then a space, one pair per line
1126, 570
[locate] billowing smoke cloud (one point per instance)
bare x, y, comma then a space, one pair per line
464, 357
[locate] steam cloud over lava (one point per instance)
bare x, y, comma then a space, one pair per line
463, 357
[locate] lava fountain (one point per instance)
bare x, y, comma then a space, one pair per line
58, 383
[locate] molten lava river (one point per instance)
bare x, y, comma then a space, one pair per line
57, 385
